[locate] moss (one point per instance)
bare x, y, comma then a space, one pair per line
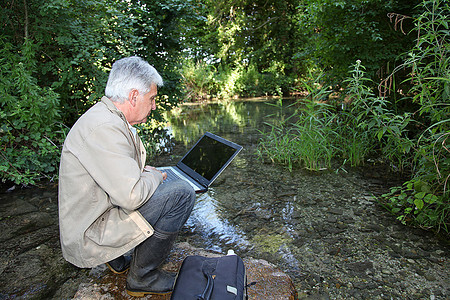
270, 243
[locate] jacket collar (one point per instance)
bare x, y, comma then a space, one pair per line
110, 105
134, 137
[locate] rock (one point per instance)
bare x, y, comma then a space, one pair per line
331, 219
336, 211
263, 213
269, 281
360, 267
430, 277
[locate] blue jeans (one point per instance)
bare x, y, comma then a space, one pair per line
170, 206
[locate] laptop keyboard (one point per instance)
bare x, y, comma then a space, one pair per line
171, 175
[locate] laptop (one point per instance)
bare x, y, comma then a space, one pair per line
204, 162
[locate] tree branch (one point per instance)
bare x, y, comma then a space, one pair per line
26, 18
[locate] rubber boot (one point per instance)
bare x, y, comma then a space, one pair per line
144, 276
119, 265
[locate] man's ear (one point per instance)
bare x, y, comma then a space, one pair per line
132, 96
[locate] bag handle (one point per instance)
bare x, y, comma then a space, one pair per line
207, 292
208, 267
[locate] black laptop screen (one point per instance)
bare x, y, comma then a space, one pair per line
208, 157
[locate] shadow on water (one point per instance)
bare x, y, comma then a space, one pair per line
324, 228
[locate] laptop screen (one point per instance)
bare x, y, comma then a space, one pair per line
210, 155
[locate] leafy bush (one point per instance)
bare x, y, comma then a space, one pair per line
376, 122
425, 199
341, 31
198, 79
55, 57
203, 80
31, 132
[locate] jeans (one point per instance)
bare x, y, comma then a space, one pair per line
170, 206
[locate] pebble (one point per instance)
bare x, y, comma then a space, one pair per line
430, 277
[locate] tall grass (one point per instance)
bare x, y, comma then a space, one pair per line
303, 139
417, 141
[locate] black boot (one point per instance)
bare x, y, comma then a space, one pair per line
144, 276
119, 265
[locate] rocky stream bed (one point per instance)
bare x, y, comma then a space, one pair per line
343, 249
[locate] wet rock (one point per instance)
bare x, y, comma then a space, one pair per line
318, 296
268, 281
359, 212
15, 207
430, 277
334, 251
23, 224
336, 211
360, 267
284, 194
374, 227
334, 230
263, 213
331, 219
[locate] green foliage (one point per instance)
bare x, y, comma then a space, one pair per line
424, 200
202, 80
30, 130
251, 46
429, 64
264, 47
341, 31
199, 80
165, 28
77, 43
414, 202
305, 138
376, 122
55, 62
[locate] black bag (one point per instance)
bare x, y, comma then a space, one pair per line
211, 278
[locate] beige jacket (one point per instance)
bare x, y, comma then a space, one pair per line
101, 184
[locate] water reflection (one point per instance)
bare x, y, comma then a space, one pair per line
214, 217
188, 122
317, 226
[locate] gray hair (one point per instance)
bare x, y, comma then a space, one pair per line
130, 73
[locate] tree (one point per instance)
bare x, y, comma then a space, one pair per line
262, 35
346, 30
55, 58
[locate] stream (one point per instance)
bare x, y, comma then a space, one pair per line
325, 229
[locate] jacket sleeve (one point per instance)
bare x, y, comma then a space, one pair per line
108, 156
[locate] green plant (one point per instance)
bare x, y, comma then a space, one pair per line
31, 132
354, 145
198, 80
424, 200
306, 138
376, 121
415, 203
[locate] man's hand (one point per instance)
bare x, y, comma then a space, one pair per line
150, 168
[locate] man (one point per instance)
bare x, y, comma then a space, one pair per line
111, 202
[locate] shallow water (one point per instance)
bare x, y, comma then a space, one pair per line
250, 186
311, 224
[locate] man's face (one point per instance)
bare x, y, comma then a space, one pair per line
145, 103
